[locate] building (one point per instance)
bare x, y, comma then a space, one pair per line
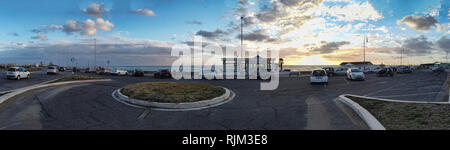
255, 63
356, 64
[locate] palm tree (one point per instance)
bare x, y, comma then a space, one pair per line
281, 62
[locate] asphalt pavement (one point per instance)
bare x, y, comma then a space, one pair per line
296, 105
35, 78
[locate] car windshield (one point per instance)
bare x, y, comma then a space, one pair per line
356, 70
318, 73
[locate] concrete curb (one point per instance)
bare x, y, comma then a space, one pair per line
397, 101
368, 118
16, 92
227, 96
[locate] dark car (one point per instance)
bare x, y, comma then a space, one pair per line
329, 70
163, 73
62, 69
385, 72
404, 70
138, 73
439, 69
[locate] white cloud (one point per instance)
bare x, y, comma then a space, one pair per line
350, 12
104, 25
40, 36
145, 12
95, 10
89, 27
382, 29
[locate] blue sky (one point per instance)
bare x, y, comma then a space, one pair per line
307, 32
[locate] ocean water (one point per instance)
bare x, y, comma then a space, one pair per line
291, 67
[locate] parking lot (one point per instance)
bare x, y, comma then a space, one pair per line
296, 104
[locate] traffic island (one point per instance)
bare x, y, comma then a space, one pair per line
75, 77
173, 95
405, 115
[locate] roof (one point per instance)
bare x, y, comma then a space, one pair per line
357, 63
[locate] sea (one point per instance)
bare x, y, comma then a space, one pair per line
290, 67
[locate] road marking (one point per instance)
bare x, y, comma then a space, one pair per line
144, 114
10, 125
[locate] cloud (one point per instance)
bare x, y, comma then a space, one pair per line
211, 35
352, 11
444, 43
89, 28
420, 23
195, 22
120, 50
71, 26
95, 10
327, 47
256, 36
47, 28
104, 25
40, 36
418, 45
145, 12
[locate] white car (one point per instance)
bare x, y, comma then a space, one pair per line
355, 74
52, 70
319, 76
17, 73
120, 72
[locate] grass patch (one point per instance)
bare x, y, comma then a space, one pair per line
75, 77
172, 92
34, 69
407, 116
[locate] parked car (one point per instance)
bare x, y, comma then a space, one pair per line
340, 71
163, 73
119, 72
319, 76
17, 73
138, 73
438, 69
104, 71
62, 69
329, 70
385, 72
355, 74
404, 69
52, 70
89, 70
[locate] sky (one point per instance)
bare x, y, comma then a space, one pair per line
143, 32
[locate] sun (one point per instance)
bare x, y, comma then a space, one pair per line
313, 60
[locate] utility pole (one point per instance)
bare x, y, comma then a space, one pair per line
242, 35
95, 54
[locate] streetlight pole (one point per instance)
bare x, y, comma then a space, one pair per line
242, 35
95, 54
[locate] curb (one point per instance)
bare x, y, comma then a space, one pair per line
368, 118
397, 101
227, 96
16, 92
